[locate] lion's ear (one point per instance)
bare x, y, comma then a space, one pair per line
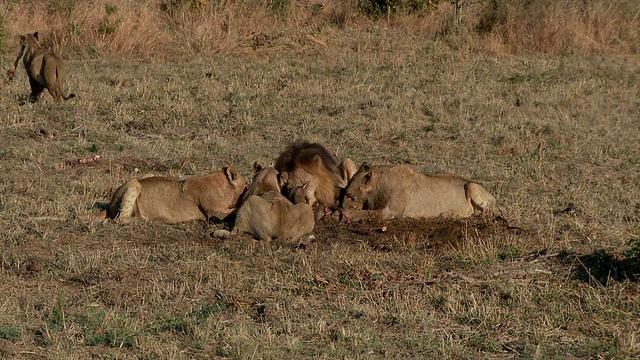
35, 35
22, 39
256, 167
232, 175
316, 160
366, 169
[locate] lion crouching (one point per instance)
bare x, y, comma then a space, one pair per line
266, 214
386, 191
313, 174
171, 201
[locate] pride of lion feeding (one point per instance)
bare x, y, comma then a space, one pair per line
280, 202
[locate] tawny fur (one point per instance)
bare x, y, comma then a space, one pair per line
313, 166
171, 201
266, 214
347, 169
387, 191
44, 69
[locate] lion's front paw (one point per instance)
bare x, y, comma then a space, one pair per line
345, 215
221, 234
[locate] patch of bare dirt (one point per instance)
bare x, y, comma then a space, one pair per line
401, 234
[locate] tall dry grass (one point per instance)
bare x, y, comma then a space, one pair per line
179, 28
565, 26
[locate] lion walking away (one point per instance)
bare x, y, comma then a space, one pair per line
44, 69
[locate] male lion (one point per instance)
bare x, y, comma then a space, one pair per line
386, 191
313, 174
266, 214
169, 200
44, 68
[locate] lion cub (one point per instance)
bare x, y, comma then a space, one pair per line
44, 68
171, 201
387, 191
266, 214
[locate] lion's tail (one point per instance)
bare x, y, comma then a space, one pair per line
59, 74
99, 215
48, 218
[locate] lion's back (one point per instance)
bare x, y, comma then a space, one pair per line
162, 198
423, 195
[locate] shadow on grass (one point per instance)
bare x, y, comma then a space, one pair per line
603, 267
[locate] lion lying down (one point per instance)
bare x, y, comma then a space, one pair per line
386, 191
266, 214
169, 200
313, 175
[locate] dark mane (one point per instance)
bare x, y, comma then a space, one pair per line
302, 152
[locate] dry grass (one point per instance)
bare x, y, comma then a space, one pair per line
163, 29
558, 27
555, 138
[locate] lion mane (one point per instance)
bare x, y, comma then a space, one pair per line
307, 162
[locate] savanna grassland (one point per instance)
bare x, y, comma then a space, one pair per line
539, 101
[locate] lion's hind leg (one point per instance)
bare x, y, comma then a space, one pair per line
36, 89
261, 232
257, 232
481, 199
54, 90
124, 200
240, 226
52, 75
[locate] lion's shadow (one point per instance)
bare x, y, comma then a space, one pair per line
101, 205
601, 268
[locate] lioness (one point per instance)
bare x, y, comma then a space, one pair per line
313, 173
388, 191
44, 68
169, 200
267, 214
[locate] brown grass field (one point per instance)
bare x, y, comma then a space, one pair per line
549, 123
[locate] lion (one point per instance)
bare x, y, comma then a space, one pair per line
158, 198
313, 174
44, 68
266, 214
385, 192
